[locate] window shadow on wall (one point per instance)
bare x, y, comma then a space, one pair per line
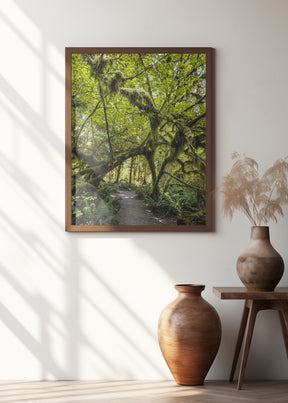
55, 325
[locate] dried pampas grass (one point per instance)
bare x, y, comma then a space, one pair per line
259, 198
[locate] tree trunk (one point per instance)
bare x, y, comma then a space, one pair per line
131, 170
150, 158
118, 173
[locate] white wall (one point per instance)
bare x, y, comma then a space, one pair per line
86, 306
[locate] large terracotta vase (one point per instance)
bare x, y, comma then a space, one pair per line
189, 335
260, 267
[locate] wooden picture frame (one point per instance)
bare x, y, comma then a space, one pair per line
139, 132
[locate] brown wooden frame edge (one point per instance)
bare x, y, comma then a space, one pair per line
210, 142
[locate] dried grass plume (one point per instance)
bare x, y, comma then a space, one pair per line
259, 197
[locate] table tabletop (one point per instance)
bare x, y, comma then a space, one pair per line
243, 293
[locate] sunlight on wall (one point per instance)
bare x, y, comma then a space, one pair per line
22, 64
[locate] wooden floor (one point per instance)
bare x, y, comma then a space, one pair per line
141, 392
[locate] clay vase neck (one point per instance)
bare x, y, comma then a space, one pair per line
260, 243
189, 290
260, 232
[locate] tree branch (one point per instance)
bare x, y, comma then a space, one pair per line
179, 180
106, 119
85, 121
147, 78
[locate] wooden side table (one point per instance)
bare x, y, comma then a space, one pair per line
254, 301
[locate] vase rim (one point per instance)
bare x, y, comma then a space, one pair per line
189, 287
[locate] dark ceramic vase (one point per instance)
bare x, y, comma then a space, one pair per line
189, 335
260, 267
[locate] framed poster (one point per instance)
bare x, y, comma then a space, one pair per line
139, 131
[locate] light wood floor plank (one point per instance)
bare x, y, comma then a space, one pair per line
141, 392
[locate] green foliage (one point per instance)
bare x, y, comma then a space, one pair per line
106, 189
181, 205
116, 81
90, 207
143, 191
197, 218
126, 186
167, 204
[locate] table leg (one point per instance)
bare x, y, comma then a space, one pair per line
247, 341
239, 340
283, 314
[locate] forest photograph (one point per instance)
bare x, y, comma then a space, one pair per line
138, 141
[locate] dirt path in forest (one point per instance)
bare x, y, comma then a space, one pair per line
135, 212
